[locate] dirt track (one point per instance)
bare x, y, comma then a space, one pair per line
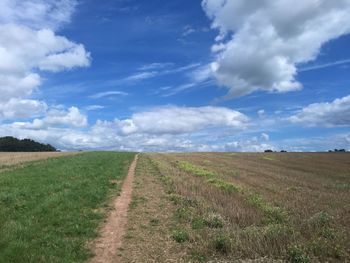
106, 246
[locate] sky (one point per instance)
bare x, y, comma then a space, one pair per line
200, 75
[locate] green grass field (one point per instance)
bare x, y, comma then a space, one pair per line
50, 210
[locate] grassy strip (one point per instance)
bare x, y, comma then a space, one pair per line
274, 214
50, 210
197, 170
211, 176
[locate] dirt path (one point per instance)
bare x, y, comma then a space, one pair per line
106, 246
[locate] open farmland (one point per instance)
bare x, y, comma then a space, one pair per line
230, 207
51, 209
10, 159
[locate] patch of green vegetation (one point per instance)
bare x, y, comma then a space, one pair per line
197, 170
274, 214
197, 257
4, 166
223, 185
211, 176
321, 247
321, 219
296, 254
214, 220
180, 235
48, 210
222, 243
198, 223
329, 233
183, 214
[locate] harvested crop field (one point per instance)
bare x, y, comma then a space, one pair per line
239, 207
8, 159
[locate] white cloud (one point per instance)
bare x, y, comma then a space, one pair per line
20, 108
188, 30
94, 107
158, 69
156, 65
56, 118
108, 94
23, 49
177, 120
142, 76
17, 85
159, 129
29, 46
261, 43
328, 114
325, 65
37, 14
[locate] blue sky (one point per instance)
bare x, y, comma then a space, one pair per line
180, 75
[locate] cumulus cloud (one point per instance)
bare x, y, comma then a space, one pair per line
21, 108
177, 120
261, 43
29, 46
328, 114
57, 118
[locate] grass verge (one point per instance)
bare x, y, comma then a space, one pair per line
51, 209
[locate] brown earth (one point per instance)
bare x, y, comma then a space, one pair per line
111, 235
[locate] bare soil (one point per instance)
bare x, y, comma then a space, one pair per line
105, 248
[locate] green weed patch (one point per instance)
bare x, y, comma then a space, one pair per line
197, 170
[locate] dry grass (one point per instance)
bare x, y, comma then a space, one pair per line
276, 206
8, 159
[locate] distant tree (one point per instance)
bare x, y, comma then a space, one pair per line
283, 151
11, 144
337, 150
268, 151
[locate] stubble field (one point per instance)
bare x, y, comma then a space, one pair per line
240, 207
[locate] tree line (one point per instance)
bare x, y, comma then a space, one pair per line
11, 144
